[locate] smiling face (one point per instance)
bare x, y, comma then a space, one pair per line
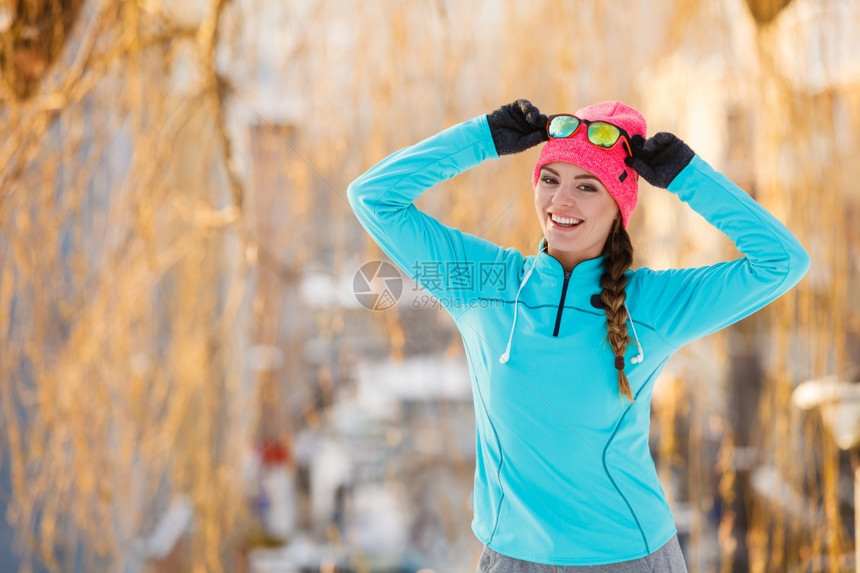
575, 211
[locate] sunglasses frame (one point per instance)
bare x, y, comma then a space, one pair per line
622, 133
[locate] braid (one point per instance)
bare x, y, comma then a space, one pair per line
618, 257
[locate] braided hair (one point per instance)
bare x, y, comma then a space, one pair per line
618, 257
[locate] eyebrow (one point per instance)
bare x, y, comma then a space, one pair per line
582, 176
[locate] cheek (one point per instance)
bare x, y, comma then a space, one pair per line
542, 196
538, 209
608, 208
539, 200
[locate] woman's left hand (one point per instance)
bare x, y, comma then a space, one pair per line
660, 158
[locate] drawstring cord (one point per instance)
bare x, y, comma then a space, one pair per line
503, 359
641, 356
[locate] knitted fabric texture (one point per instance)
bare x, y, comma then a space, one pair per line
608, 165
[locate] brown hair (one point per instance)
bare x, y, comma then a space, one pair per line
617, 258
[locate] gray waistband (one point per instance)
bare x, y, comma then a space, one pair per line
667, 559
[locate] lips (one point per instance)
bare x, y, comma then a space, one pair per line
564, 222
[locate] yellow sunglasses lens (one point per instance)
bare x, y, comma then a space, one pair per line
603, 134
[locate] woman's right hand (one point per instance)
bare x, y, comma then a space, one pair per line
517, 126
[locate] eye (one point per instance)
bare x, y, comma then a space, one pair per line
548, 179
587, 187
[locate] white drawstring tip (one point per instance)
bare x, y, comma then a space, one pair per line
641, 356
503, 359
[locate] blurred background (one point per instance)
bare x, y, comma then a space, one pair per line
187, 379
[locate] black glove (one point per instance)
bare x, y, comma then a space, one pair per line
517, 127
660, 158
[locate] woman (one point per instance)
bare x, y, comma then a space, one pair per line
564, 346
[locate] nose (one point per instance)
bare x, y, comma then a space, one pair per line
564, 196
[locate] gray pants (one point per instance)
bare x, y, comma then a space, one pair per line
667, 559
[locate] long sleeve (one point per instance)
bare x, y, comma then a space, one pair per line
686, 304
382, 199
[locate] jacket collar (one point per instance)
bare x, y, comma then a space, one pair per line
548, 265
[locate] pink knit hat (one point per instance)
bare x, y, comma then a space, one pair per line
608, 165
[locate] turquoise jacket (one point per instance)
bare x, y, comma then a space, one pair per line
563, 472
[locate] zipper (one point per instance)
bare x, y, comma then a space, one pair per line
561, 302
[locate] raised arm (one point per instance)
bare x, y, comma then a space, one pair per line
382, 198
686, 304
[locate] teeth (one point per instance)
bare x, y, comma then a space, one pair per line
565, 220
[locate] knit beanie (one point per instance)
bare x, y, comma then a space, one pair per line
608, 165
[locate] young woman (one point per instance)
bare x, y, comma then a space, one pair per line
564, 346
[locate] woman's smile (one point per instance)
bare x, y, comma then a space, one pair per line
564, 222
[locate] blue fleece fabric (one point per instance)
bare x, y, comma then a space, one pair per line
563, 471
